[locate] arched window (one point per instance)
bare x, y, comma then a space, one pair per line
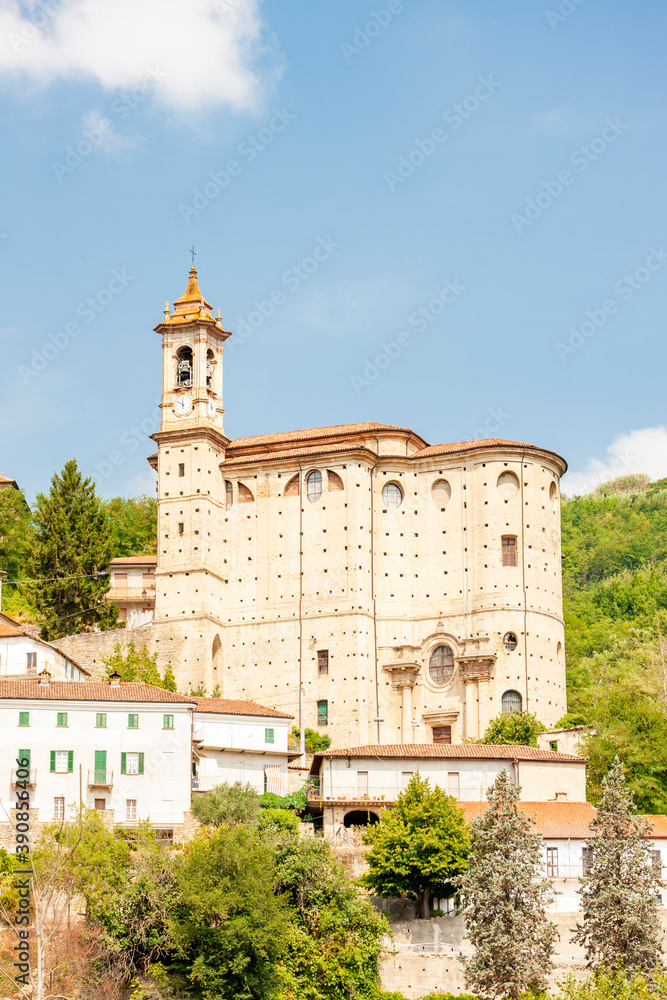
184, 367
360, 817
392, 495
508, 485
511, 702
510, 641
441, 665
441, 492
216, 653
229, 495
210, 368
314, 486
292, 488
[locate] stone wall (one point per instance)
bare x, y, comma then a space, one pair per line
89, 648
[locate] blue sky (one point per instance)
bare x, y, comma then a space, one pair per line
485, 183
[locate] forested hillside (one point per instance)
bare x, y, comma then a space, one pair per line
615, 605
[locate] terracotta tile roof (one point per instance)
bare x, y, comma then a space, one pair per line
133, 560
7, 482
454, 750
89, 691
11, 630
276, 456
312, 433
224, 706
562, 820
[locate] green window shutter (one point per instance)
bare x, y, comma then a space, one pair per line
101, 720
100, 760
141, 763
62, 719
168, 722
123, 763
268, 735
133, 721
24, 718
53, 761
25, 753
70, 761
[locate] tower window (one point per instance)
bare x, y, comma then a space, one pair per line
184, 367
229, 495
510, 642
392, 495
210, 362
323, 661
181, 527
314, 486
442, 734
441, 665
509, 550
323, 713
181, 469
511, 702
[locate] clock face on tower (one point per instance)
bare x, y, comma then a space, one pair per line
182, 406
210, 409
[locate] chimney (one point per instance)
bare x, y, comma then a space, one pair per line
44, 678
114, 679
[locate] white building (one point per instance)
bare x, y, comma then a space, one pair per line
23, 653
132, 588
350, 786
241, 741
122, 748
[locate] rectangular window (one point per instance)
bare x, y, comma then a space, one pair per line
552, 862
509, 550
120, 580
131, 763
62, 719
454, 784
62, 761
553, 745
130, 809
24, 718
31, 663
269, 735
24, 755
362, 783
586, 859
101, 720
167, 722
100, 803
406, 778
181, 469
323, 661
442, 734
656, 859
133, 721
148, 579
181, 527
323, 713
100, 767
59, 807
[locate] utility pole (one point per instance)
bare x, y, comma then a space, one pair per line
302, 730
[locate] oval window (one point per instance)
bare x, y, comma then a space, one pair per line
508, 485
510, 641
511, 702
441, 492
392, 495
441, 665
314, 486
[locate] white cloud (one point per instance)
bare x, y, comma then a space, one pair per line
194, 54
643, 450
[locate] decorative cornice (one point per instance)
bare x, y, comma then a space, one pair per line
476, 667
403, 674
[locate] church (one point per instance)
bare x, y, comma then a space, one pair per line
379, 588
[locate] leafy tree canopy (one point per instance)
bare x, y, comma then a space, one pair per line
514, 727
315, 742
138, 665
232, 805
133, 525
419, 847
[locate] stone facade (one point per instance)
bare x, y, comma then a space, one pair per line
403, 588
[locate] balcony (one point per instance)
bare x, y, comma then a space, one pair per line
131, 595
100, 779
28, 782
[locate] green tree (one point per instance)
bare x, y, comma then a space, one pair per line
419, 848
138, 665
315, 742
17, 534
229, 926
621, 923
231, 805
133, 523
72, 555
506, 900
335, 935
514, 727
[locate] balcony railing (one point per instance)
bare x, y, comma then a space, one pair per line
131, 594
29, 782
100, 779
380, 793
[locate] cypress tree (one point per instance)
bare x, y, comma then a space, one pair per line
621, 925
72, 556
506, 900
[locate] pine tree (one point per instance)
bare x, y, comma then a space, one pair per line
621, 923
138, 665
72, 557
506, 900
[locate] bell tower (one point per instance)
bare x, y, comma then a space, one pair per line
191, 445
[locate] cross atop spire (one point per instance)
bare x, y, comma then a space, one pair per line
192, 251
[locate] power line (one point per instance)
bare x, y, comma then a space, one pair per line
52, 579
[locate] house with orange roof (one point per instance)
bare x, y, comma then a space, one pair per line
24, 654
132, 588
